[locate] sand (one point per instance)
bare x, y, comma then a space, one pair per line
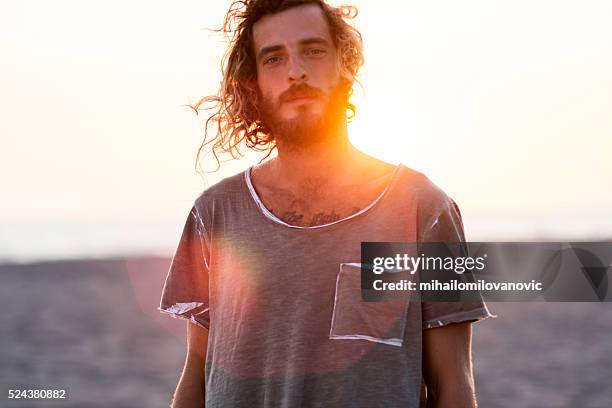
91, 326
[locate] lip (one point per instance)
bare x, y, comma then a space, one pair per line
302, 99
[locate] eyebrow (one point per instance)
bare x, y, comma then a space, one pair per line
305, 41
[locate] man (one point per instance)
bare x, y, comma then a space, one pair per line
267, 256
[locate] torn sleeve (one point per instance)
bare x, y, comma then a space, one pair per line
185, 294
442, 222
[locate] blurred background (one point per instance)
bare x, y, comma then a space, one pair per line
507, 106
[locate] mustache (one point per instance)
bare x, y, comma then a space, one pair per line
300, 91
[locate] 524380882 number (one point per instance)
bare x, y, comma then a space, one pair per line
59, 393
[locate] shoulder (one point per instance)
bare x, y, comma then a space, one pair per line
434, 207
438, 217
424, 191
226, 191
222, 188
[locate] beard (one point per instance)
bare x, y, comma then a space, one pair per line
306, 128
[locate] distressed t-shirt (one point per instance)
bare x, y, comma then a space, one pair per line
286, 324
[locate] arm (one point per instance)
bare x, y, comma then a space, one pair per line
447, 368
190, 389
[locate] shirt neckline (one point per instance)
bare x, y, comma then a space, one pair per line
268, 214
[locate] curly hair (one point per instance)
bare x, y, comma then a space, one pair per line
236, 115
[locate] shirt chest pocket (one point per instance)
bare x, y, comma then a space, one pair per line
382, 321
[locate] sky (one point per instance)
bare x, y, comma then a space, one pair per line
507, 106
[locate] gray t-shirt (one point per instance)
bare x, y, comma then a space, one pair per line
285, 330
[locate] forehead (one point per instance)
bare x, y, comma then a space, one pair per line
290, 26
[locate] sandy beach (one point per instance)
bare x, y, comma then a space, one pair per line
91, 326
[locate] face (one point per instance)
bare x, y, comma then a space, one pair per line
301, 91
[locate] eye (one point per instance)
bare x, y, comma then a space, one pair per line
271, 60
316, 52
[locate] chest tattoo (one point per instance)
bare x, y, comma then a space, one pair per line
300, 219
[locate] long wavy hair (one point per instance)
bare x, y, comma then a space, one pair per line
236, 117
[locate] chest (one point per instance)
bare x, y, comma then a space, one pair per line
312, 207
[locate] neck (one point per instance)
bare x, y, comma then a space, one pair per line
332, 162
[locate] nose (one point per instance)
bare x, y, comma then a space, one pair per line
296, 69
